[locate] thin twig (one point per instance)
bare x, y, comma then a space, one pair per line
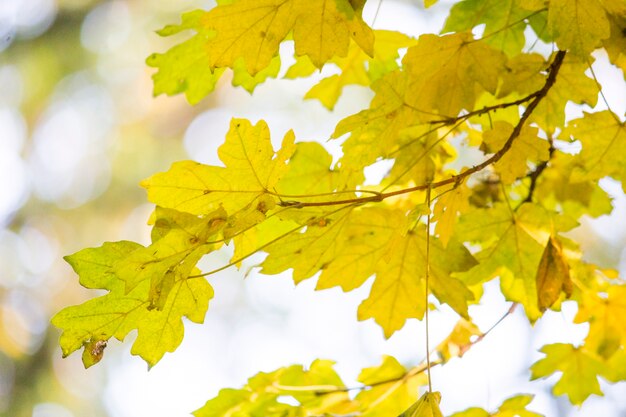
430, 384
416, 370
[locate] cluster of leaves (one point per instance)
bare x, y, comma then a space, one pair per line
477, 83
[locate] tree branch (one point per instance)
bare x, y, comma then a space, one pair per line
553, 70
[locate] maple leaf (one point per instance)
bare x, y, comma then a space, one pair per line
252, 170
526, 147
388, 396
179, 241
394, 296
118, 312
458, 341
311, 177
346, 246
615, 45
603, 137
186, 67
552, 275
558, 190
511, 407
426, 406
261, 394
571, 85
504, 22
522, 75
607, 330
446, 73
357, 68
510, 249
580, 371
252, 30
375, 131
578, 25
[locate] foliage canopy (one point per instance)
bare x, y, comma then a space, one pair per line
427, 228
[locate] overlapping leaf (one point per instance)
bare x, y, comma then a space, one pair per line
263, 394
511, 249
526, 147
571, 85
252, 30
447, 73
357, 68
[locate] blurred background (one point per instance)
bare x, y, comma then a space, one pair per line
79, 129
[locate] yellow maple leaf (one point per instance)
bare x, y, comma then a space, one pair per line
358, 68
252, 170
578, 25
571, 85
399, 290
447, 73
387, 396
253, 30
615, 45
605, 315
458, 341
580, 371
603, 137
426, 406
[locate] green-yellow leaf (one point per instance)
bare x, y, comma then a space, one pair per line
523, 75
504, 22
179, 241
603, 138
511, 407
615, 45
605, 315
446, 211
579, 369
512, 247
357, 68
117, 313
557, 190
186, 66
